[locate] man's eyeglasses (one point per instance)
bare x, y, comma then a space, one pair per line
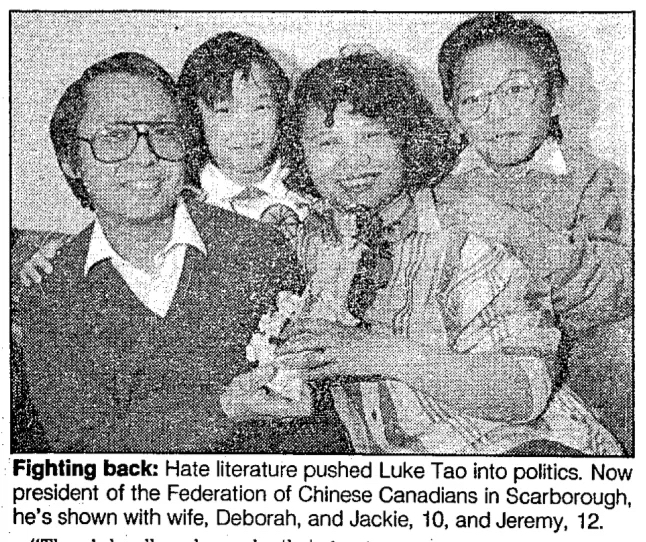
116, 142
513, 95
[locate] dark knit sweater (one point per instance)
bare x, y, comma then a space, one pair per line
106, 374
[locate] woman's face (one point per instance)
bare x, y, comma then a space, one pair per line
501, 102
242, 130
353, 162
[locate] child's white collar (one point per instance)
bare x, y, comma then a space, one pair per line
220, 188
547, 159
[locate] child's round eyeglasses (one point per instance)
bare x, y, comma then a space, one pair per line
513, 95
116, 142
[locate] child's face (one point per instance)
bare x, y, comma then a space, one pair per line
353, 162
501, 102
241, 131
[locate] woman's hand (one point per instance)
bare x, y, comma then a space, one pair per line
298, 332
248, 397
331, 349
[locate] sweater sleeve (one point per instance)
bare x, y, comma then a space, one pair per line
49, 354
599, 287
495, 306
27, 435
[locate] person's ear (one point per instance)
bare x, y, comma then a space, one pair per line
68, 168
451, 111
71, 167
457, 129
458, 133
557, 102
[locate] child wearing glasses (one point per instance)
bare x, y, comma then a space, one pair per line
238, 97
558, 209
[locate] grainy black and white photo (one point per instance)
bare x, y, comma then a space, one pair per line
322, 233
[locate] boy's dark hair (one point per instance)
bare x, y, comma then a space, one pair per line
207, 75
491, 27
71, 108
378, 89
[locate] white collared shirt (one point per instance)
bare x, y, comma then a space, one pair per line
154, 290
222, 191
547, 159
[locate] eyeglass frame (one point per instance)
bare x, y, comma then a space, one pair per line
140, 133
535, 83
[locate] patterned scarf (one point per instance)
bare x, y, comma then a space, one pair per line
375, 266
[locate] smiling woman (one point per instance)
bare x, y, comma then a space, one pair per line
441, 342
352, 106
355, 161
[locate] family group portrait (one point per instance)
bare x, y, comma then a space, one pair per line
322, 233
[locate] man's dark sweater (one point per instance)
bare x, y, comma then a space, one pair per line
105, 374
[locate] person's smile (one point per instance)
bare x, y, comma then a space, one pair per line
360, 183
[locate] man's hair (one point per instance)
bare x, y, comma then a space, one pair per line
377, 89
525, 34
71, 108
208, 74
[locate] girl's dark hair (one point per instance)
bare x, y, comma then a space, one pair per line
208, 74
63, 128
491, 27
378, 89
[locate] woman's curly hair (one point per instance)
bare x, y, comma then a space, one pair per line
377, 89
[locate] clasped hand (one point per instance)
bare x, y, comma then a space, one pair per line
249, 397
317, 349
321, 349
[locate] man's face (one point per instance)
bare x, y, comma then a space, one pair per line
503, 83
353, 162
141, 187
242, 130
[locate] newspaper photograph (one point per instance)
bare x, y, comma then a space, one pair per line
320, 276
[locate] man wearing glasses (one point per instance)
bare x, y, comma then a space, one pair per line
128, 345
